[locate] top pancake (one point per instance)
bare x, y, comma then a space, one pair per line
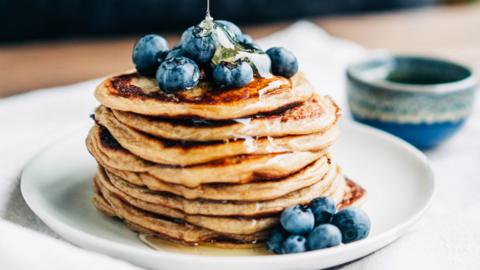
135, 93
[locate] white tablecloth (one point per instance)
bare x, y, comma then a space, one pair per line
447, 237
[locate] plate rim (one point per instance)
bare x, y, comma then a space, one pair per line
83, 238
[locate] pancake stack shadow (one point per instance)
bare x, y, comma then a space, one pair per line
210, 166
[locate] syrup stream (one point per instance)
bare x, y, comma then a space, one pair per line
208, 10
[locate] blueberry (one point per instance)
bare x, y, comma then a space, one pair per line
177, 73
146, 53
297, 219
175, 52
247, 42
324, 236
235, 74
353, 222
323, 209
284, 62
294, 244
231, 27
161, 56
198, 45
245, 39
275, 240
177, 46
251, 46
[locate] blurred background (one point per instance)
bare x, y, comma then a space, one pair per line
53, 42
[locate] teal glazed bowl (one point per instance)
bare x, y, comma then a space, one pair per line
419, 99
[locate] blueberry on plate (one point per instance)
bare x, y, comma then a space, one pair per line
284, 62
177, 73
324, 236
198, 45
231, 27
323, 208
294, 244
146, 53
353, 222
235, 74
275, 240
297, 219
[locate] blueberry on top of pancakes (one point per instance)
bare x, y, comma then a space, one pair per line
229, 26
177, 73
198, 44
235, 74
146, 53
284, 62
224, 55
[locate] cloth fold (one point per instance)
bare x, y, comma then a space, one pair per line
444, 239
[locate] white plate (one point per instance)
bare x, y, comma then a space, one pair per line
56, 184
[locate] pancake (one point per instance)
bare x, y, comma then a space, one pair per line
228, 225
135, 93
233, 208
255, 191
145, 222
354, 194
313, 116
224, 225
238, 169
188, 153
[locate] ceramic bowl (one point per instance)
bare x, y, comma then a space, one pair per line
420, 99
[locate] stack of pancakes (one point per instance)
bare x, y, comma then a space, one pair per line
213, 166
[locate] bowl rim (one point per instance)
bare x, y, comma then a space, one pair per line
467, 83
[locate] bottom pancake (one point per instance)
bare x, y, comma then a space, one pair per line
230, 225
227, 225
178, 230
168, 228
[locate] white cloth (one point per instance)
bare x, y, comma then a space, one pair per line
445, 238
25, 249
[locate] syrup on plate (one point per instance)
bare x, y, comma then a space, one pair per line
165, 245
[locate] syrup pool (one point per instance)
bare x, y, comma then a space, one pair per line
165, 245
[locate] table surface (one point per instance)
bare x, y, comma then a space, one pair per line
448, 31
